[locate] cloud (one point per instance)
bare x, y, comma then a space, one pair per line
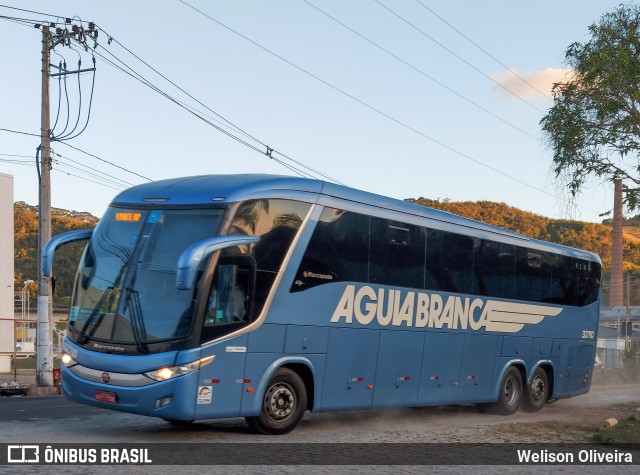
529, 85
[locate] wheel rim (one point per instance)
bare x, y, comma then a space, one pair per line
510, 390
280, 402
538, 389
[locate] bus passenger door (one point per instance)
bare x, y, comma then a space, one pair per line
398, 368
440, 374
350, 370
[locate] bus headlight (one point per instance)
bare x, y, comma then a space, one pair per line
67, 360
169, 372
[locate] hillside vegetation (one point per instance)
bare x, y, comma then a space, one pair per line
589, 236
67, 257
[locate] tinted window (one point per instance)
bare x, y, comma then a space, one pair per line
397, 254
450, 262
495, 269
533, 275
351, 247
337, 252
276, 222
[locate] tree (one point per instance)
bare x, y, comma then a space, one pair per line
593, 127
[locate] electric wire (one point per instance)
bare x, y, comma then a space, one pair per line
378, 111
93, 82
457, 56
421, 72
103, 160
269, 151
484, 50
95, 172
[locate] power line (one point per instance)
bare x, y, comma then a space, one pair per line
378, 111
269, 151
19, 132
420, 71
105, 161
82, 151
483, 50
457, 56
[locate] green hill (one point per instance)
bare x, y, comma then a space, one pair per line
67, 258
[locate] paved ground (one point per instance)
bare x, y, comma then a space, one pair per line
54, 420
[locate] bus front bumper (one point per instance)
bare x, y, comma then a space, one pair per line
171, 399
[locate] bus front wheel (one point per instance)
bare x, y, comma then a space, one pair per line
283, 404
537, 393
510, 394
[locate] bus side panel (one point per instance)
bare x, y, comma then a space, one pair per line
584, 354
541, 348
306, 339
352, 355
476, 374
441, 360
563, 351
223, 377
398, 372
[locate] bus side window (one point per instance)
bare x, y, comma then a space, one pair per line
231, 297
397, 254
337, 252
533, 275
449, 264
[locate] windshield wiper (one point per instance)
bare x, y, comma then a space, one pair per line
137, 320
96, 310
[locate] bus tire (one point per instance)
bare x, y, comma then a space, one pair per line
536, 393
283, 404
510, 393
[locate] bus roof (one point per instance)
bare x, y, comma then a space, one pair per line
212, 189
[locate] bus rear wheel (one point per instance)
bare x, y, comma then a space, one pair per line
283, 404
510, 394
537, 393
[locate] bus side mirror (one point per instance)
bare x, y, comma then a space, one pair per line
55, 242
192, 256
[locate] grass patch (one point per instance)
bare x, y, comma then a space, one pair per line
626, 431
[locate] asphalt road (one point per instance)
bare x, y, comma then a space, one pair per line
28, 409
50, 420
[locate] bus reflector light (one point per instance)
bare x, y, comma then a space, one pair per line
250, 390
215, 381
246, 381
163, 401
456, 384
369, 386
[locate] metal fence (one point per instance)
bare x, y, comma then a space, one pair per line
18, 346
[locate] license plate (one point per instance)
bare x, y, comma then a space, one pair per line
106, 396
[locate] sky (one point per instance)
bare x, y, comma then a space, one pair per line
384, 96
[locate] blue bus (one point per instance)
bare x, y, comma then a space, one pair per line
265, 296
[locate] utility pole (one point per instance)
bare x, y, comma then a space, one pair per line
44, 349
616, 297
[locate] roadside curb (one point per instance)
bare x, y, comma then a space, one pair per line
9, 391
46, 391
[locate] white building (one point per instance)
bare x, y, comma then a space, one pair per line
6, 272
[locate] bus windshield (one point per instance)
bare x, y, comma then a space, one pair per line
125, 288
